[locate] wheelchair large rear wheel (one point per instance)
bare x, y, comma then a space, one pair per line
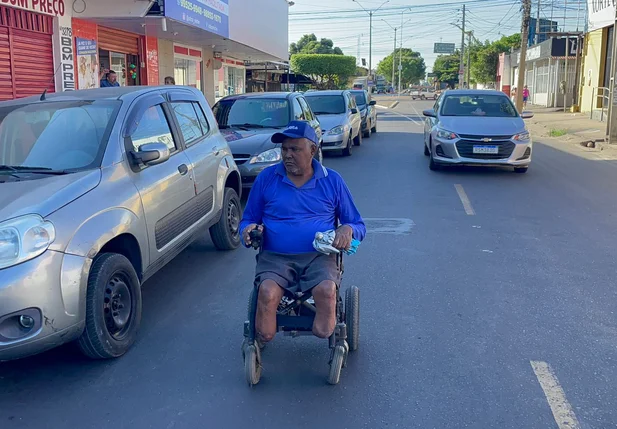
338, 356
248, 317
352, 317
252, 364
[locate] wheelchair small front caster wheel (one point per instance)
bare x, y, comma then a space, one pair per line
252, 364
336, 364
352, 317
346, 346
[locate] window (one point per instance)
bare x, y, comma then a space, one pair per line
205, 127
298, 113
153, 128
327, 104
307, 110
189, 123
360, 98
496, 106
247, 112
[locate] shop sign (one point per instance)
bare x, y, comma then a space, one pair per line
209, 15
87, 64
67, 58
46, 7
601, 14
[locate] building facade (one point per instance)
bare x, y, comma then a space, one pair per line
62, 45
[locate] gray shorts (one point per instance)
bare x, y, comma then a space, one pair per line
296, 272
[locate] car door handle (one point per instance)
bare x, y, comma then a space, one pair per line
183, 169
216, 150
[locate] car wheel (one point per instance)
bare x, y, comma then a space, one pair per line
226, 232
358, 140
348, 150
374, 129
113, 308
432, 165
423, 98
367, 134
426, 151
521, 170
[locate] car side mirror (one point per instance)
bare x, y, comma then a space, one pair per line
527, 115
430, 113
372, 103
354, 111
151, 154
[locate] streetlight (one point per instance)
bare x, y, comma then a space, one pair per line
400, 53
393, 52
370, 43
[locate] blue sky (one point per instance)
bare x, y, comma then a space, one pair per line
427, 22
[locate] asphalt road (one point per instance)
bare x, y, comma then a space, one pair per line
498, 316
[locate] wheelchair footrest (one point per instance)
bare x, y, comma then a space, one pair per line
294, 323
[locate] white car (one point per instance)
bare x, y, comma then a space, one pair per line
339, 117
424, 94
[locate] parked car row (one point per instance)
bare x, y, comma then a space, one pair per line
82, 178
341, 118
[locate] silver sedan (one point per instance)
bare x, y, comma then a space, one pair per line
477, 127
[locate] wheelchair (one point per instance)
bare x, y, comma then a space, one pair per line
295, 316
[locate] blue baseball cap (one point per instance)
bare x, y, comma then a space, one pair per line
296, 130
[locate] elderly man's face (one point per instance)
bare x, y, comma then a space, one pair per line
112, 77
298, 155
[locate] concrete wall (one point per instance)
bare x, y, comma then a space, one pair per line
261, 24
166, 59
592, 71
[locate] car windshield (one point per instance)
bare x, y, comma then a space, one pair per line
326, 104
492, 106
360, 98
256, 112
55, 135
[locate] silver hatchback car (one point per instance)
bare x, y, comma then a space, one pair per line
99, 189
477, 127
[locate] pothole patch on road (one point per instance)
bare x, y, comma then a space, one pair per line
382, 225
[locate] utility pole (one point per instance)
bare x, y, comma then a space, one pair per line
462, 65
521, 62
370, 36
394, 58
400, 57
469, 33
537, 38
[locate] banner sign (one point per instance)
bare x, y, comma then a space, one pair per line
601, 14
87, 63
46, 7
209, 15
444, 48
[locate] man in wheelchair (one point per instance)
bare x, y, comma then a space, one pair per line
289, 203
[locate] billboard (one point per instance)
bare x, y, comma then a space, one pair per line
444, 48
209, 15
601, 13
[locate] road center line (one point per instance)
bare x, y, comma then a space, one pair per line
408, 118
560, 407
465, 200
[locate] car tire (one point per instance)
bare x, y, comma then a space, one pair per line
426, 151
521, 170
367, 134
422, 98
358, 140
349, 149
432, 165
374, 129
226, 232
113, 302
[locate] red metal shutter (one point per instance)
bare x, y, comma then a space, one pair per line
26, 53
119, 41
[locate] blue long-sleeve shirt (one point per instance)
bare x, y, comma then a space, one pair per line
291, 216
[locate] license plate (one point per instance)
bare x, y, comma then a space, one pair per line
486, 149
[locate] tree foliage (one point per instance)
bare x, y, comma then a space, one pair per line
485, 57
414, 69
327, 71
446, 68
308, 44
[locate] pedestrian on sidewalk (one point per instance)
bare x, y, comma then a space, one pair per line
525, 96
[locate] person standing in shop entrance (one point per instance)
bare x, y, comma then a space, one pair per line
170, 80
109, 79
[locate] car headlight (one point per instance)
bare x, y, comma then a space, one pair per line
446, 135
522, 137
363, 113
270, 155
337, 130
24, 238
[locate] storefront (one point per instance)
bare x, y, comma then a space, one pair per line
230, 78
119, 51
188, 66
26, 53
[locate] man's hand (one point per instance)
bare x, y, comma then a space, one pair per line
344, 235
246, 234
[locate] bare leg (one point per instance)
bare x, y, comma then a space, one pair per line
270, 294
325, 302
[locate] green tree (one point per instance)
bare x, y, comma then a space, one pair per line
446, 68
308, 44
414, 69
485, 57
327, 71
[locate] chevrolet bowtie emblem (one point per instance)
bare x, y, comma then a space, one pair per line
486, 140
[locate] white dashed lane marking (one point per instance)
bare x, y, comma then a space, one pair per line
464, 199
556, 397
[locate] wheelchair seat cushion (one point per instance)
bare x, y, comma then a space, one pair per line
296, 272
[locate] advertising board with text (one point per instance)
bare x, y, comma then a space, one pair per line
209, 15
